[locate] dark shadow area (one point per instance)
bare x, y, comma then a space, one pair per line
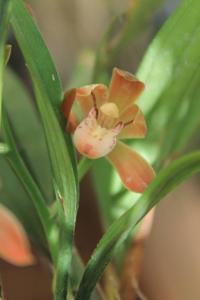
26, 283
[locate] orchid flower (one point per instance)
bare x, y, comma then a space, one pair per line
14, 244
105, 117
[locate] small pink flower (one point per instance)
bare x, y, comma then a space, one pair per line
14, 244
103, 117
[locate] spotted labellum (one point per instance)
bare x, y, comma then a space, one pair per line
100, 117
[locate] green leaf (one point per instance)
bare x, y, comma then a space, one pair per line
8, 49
28, 132
76, 274
170, 70
103, 189
163, 184
11, 193
4, 148
127, 28
13, 196
83, 166
171, 100
48, 96
5, 7
27, 181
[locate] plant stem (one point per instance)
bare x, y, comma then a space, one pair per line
83, 166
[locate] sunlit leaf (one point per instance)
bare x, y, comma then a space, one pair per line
170, 70
4, 148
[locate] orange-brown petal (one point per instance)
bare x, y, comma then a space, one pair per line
71, 116
14, 244
134, 123
134, 170
124, 88
68, 101
72, 123
86, 96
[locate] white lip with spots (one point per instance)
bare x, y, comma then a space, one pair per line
93, 140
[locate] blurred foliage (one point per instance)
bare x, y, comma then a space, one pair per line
122, 30
30, 138
19, 167
12, 194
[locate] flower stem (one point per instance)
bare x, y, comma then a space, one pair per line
83, 166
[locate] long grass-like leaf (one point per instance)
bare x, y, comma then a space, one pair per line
170, 70
49, 95
14, 196
27, 181
29, 136
28, 132
163, 184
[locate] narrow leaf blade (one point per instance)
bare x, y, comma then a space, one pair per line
163, 184
49, 95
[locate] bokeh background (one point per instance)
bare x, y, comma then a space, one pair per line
72, 30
